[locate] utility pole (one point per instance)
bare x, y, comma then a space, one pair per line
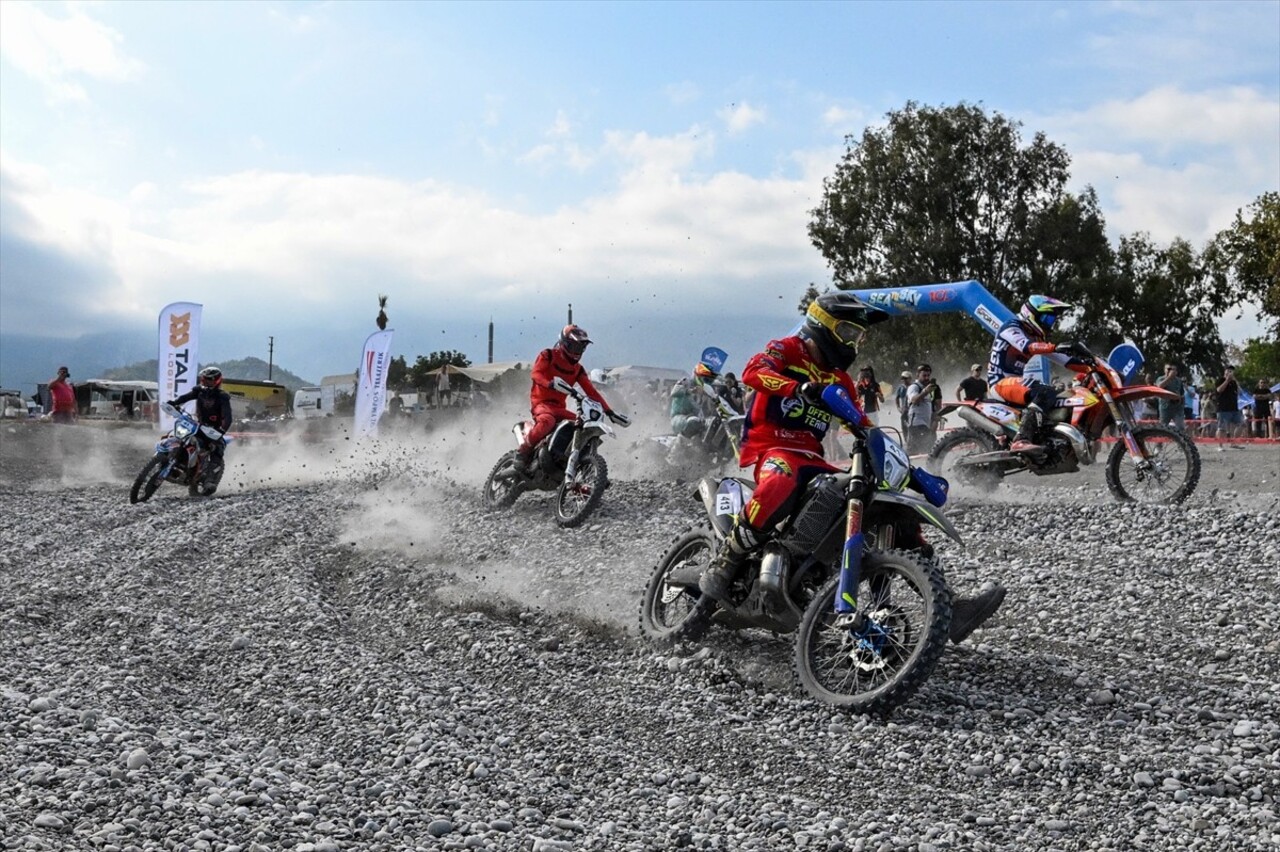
571, 313
490, 340
271, 352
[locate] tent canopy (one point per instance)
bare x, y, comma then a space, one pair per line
480, 372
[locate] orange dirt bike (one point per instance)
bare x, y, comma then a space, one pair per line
1147, 463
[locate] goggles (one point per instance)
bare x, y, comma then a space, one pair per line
847, 332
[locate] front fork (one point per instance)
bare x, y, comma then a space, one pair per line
1124, 426
851, 556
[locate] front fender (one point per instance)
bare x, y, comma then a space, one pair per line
930, 514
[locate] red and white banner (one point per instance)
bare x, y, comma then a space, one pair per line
371, 387
179, 352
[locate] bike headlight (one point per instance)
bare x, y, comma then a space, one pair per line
184, 428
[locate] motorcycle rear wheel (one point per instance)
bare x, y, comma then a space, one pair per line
908, 616
578, 498
953, 447
503, 485
1174, 467
148, 479
670, 614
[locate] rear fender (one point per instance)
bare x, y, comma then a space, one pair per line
928, 513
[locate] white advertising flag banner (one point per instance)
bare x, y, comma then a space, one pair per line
179, 352
371, 389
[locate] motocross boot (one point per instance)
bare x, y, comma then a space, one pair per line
1028, 429
968, 614
523, 463
727, 564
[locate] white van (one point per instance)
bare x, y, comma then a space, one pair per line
309, 403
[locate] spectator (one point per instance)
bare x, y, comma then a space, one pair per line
900, 400
920, 409
1208, 411
444, 390
869, 394
733, 393
1190, 402
1227, 397
1261, 410
974, 387
1170, 410
63, 394
1147, 408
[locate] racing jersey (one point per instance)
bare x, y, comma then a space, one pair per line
778, 418
554, 362
213, 406
1012, 349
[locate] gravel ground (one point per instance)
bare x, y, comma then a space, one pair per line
344, 650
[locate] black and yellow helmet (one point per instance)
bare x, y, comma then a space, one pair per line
837, 322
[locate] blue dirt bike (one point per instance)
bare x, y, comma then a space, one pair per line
849, 572
181, 459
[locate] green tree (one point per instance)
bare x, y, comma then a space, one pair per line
397, 372
1261, 360
1158, 297
949, 194
1245, 259
418, 373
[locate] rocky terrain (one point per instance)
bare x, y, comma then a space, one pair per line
343, 650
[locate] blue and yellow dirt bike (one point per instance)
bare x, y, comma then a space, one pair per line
849, 572
181, 459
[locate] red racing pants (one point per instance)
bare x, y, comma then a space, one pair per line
545, 418
781, 476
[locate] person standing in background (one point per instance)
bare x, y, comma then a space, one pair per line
920, 396
900, 400
63, 395
1170, 410
974, 387
1227, 397
869, 394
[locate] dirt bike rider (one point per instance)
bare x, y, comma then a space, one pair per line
690, 407
783, 433
1017, 341
546, 404
213, 408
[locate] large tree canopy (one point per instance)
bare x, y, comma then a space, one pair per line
1246, 257
948, 194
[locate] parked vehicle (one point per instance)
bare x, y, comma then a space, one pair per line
181, 459
1147, 463
567, 461
849, 573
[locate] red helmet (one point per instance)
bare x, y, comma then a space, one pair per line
702, 371
573, 340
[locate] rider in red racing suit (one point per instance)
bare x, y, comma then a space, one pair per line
546, 404
783, 433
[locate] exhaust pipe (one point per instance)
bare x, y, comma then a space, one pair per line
1077, 441
973, 418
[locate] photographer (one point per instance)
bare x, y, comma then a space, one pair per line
922, 397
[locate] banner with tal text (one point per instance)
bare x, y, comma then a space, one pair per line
179, 353
371, 387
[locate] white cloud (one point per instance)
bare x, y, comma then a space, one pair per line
741, 117
1170, 162
58, 51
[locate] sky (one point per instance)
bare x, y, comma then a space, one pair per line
652, 164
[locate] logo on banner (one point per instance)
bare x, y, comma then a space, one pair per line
983, 313
180, 329
940, 296
902, 299
180, 358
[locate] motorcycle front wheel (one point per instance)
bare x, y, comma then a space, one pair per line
678, 613
904, 607
1169, 473
148, 479
503, 484
578, 497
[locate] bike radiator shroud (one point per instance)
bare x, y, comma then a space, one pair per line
818, 516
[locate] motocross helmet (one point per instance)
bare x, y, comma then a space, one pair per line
837, 322
702, 371
573, 341
210, 377
1042, 314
